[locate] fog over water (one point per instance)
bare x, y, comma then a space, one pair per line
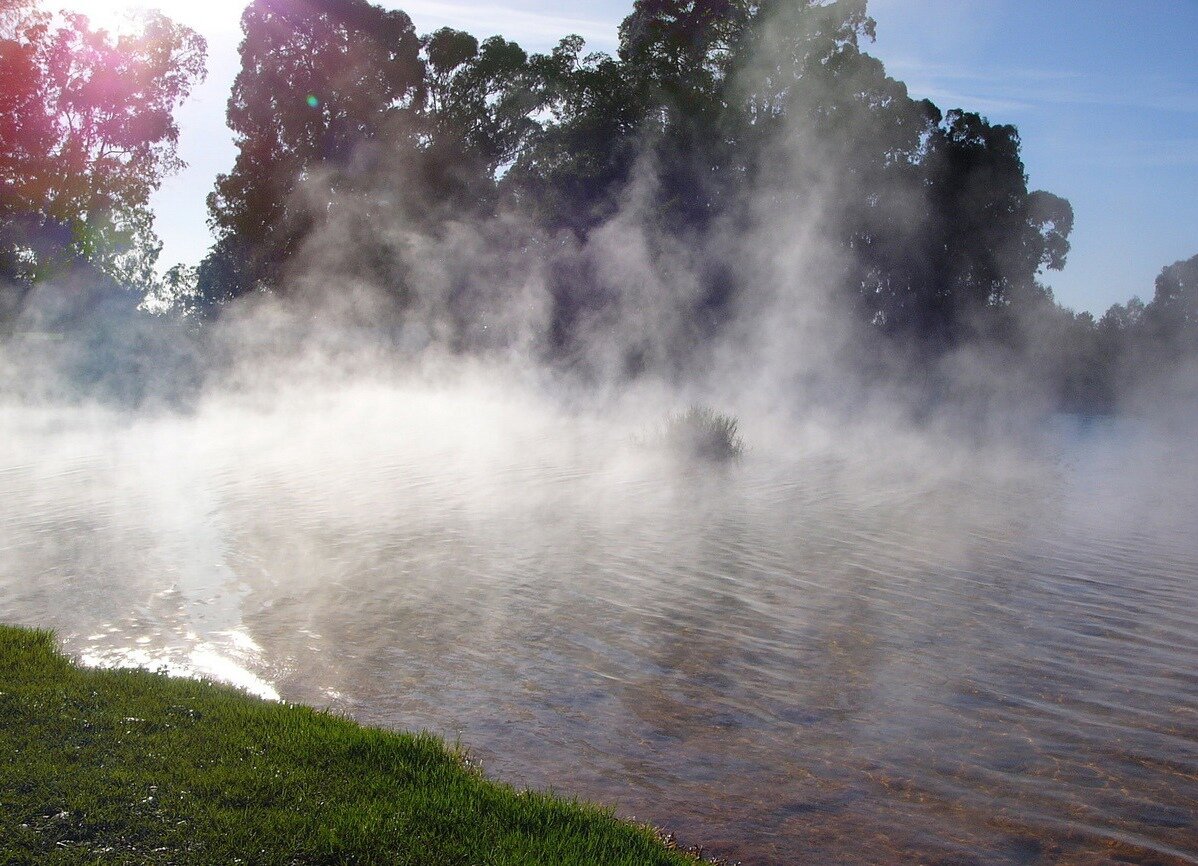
864, 642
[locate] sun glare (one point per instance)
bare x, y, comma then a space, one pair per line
207, 16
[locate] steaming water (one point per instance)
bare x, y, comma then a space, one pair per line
858, 651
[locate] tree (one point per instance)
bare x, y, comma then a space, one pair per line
1144, 348
678, 54
320, 82
477, 114
14, 15
1173, 313
931, 210
87, 134
662, 100
977, 238
570, 169
738, 111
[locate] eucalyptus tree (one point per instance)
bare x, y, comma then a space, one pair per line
87, 134
341, 101
479, 112
321, 81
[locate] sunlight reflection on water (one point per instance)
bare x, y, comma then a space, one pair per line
230, 662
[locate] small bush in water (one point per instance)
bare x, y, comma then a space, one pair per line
704, 433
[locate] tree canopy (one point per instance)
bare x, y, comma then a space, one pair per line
319, 80
87, 134
726, 120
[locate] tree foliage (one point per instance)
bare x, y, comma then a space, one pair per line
319, 80
717, 98
740, 111
477, 112
87, 134
1174, 308
718, 127
723, 98
1162, 334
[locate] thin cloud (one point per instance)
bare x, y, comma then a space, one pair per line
1143, 154
1022, 88
537, 29
990, 106
910, 68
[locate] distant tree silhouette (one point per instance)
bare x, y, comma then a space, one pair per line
977, 240
721, 97
335, 94
581, 153
1137, 346
1173, 313
687, 92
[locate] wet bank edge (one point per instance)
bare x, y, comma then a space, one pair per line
133, 766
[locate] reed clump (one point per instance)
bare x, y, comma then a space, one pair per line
702, 433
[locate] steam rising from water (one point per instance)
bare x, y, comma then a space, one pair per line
900, 625
865, 636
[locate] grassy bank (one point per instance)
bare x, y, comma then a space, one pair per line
132, 767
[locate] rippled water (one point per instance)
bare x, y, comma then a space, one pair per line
865, 652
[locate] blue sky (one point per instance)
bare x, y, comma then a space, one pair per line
1105, 95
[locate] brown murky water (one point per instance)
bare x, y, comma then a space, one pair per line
826, 654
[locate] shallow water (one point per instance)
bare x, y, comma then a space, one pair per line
874, 651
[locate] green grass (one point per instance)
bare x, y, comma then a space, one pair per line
102, 766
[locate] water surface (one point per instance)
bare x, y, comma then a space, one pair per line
847, 648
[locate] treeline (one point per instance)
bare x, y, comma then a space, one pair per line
733, 129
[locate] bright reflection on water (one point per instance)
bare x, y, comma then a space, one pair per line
874, 653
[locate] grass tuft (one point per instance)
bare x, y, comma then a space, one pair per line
132, 767
702, 433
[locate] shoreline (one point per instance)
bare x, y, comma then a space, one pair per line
131, 766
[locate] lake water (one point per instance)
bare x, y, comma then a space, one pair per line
849, 648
